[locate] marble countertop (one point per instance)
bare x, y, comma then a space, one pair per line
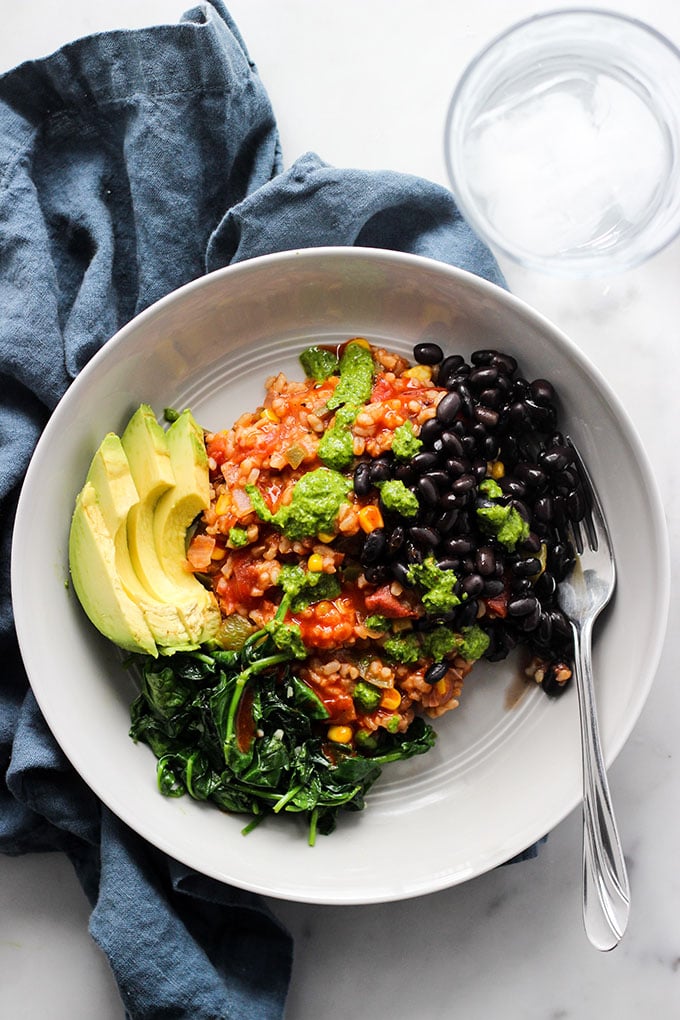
367, 84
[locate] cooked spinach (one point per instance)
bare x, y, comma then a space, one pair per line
243, 730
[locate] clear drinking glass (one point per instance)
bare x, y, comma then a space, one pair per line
563, 142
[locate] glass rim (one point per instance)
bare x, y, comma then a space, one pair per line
593, 264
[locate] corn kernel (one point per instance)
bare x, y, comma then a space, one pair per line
223, 504
495, 469
391, 699
370, 518
270, 415
361, 341
340, 734
315, 563
423, 373
218, 553
325, 538
441, 686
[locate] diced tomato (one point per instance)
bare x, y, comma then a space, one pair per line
337, 701
217, 448
498, 606
386, 604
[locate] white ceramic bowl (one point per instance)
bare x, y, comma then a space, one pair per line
505, 769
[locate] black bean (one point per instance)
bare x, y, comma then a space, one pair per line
374, 546
400, 573
512, 487
381, 470
450, 365
576, 505
518, 414
521, 586
448, 564
523, 606
472, 585
396, 540
362, 478
445, 521
436, 672
377, 574
483, 377
543, 633
424, 536
485, 561
543, 508
440, 478
486, 416
490, 447
451, 444
560, 624
428, 490
527, 567
529, 621
557, 458
491, 397
505, 362
450, 501
406, 473
463, 523
467, 613
531, 543
466, 399
460, 546
466, 483
448, 408
542, 391
521, 508
424, 460
430, 431
546, 585
457, 466
531, 475
493, 587
542, 416
428, 353
484, 356
479, 469
413, 553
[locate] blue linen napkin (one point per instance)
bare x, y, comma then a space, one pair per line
130, 163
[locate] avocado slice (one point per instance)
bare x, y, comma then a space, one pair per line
96, 580
177, 509
148, 454
116, 495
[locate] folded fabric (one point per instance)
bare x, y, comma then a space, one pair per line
131, 163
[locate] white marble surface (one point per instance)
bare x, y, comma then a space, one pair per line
367, 84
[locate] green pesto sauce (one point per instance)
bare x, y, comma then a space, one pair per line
336, 448
505, 524
474, 644
356, 369
318, 363
403, 648
238, 537
437, 584
397, 498
356, 377
304, 587
405, 443
314, 507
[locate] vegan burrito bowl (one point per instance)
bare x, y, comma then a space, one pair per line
304, 591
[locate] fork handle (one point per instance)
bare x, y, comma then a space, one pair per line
606, 894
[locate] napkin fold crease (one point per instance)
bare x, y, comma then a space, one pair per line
132, 162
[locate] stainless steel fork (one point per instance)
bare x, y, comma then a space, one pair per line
582, 596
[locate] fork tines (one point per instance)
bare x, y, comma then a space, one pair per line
591, 501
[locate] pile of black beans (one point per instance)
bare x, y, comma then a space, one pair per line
490, 416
